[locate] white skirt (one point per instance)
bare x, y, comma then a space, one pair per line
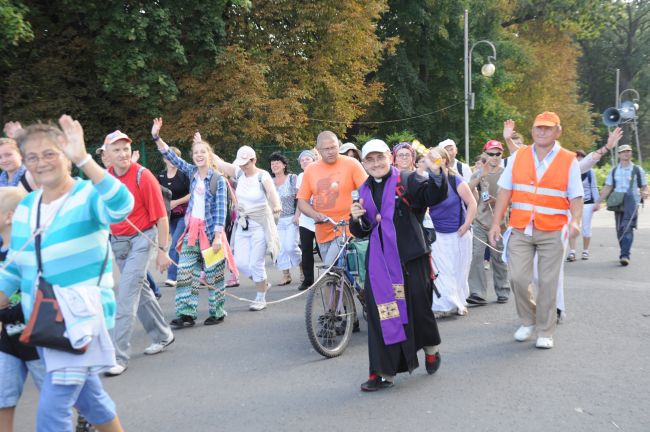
452, 257
290, 254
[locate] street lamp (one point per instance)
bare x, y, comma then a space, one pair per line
487, 70
628, 110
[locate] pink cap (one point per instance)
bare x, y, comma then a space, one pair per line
492, 144
114, 137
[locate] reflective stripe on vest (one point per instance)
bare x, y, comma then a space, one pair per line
539, 209
540, 191
544, 201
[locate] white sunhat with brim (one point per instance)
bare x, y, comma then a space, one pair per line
244, 154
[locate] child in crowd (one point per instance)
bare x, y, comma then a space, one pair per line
16, 359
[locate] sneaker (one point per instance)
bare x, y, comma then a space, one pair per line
486, 265
560, 316
158, 347
502, 299
524, 333
182, 321
572, 256
475, 299
374, 383
624, 261
170, 283
116, 370
432, 362
544, 342
585, 255
257, 305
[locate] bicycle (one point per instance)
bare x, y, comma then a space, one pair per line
330, 311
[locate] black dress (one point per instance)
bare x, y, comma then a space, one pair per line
414, 250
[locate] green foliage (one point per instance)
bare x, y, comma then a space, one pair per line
14, 28
398, 137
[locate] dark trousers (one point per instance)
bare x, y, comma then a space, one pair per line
625, 223
307, 248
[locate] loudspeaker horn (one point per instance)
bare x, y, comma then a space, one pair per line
611, 117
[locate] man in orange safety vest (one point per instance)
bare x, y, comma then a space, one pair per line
542, 184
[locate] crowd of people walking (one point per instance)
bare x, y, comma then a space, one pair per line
434, 228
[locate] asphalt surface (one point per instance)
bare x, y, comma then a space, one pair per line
258, 372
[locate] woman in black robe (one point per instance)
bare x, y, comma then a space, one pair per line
413, 195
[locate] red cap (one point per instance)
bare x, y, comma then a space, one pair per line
492, 144
114, 137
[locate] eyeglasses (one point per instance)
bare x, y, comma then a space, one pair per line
50, 156
404, 155
493, 154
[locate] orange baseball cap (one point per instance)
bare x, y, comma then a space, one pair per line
547, 118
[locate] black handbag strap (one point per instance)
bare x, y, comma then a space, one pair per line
37, 246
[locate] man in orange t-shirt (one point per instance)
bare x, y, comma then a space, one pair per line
330, 182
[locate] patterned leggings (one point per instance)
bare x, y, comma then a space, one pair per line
187, 288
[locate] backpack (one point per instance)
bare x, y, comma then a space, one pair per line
166, 193
231, 202
459, 168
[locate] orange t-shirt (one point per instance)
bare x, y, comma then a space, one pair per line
331, 185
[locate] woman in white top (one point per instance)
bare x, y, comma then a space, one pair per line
306, 228
256, 232
287, 186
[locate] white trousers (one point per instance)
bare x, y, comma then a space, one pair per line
290, 254
452, 256
250, 251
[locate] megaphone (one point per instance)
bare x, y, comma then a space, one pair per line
611, 117
628, 110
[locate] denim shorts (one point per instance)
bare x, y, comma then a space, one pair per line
13, 373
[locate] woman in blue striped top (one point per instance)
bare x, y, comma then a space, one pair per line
74, 215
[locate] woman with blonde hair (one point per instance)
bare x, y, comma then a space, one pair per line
205, 219
452, 250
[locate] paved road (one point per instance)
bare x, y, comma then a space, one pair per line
257, 371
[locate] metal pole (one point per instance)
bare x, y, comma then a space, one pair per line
636, 136
618, 105
468, 77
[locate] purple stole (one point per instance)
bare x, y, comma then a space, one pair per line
384, 265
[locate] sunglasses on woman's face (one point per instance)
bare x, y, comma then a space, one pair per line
493, 154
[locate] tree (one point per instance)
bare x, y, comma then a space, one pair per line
320, 55
624, 45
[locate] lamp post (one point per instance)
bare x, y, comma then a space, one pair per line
487, 70
628, 111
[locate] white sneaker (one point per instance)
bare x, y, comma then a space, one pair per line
116, 370
170, 283
158, 347
544, 342
257, 305
524, 333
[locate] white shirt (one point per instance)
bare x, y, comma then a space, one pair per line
198, 203
466, 173
250, 190
304, 220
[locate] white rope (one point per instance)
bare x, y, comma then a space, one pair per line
243, 299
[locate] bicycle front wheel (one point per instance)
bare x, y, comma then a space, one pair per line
330, 315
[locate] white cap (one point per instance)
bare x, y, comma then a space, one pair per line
372, 146
244, 154
446, 143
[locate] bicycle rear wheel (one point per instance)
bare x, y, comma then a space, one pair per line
330, 315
